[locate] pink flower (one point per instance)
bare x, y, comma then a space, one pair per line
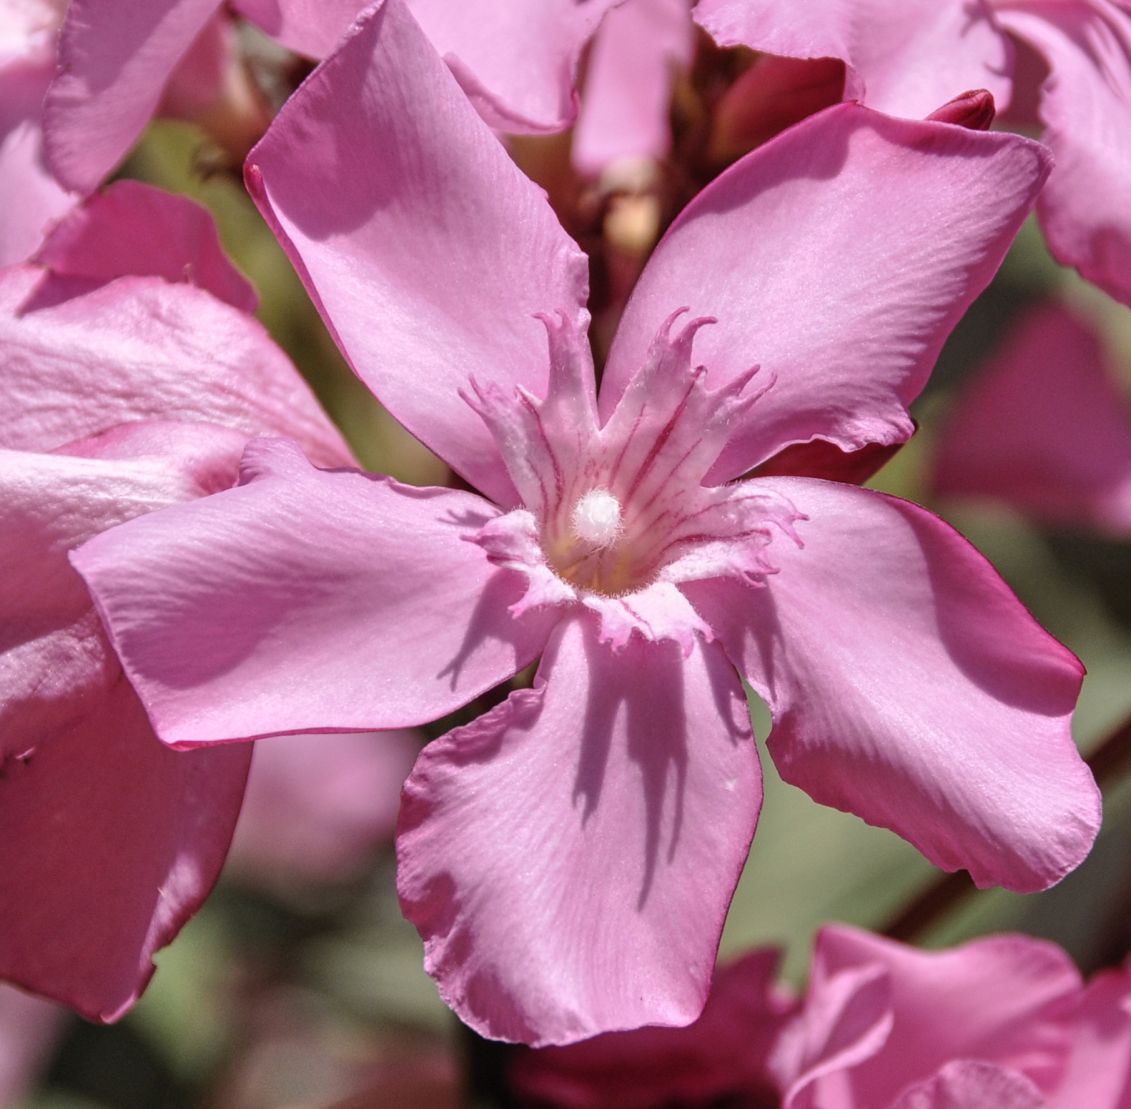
908, 56
570, 855
119, 397
1045, 427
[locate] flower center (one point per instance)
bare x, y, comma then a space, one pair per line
596, 518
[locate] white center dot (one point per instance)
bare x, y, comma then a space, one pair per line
596, 518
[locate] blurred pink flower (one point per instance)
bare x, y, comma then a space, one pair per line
569, 856
909, 56
1044, 427
317, 806
29, 1029
118, 397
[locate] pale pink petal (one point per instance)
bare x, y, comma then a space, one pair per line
309, 27
1044, 427
966, 1084
114, 59
1006, 1000
29, 1029
308, 600
30, 197
140, 348
55, 664
426, 249
569, 857
318, 806
1099, 1071
722, 1056
109, 842
837, 257
846, 1019
1085, 105
904, 56
628, 83
133, 228
910, 687
517, 61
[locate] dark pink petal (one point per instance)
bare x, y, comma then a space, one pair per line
1006, 1000
109, 842
140, 348
309, 27
570, 856
1044, 427
426, 249
1085, 105
628, 83
910, 687
55, 664
114, 59
1099, 1071
318, 806
837, 257
307, 600
132, 228
965, 1084
904, 56
515, 60
30, 197
722, 1055
842, 1023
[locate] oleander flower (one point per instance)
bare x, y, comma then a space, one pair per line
121, 394
569, 856
907, 56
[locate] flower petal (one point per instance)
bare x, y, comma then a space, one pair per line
1099, 1071
140, 348
966, 1082
570, 856
1006, 1000
850, 322
307, 601
1044, 427
310, 27
910, 687
29, 1030
109, 842
425, 248
1085, 105
515, 60
628, 83
904, 56
132, 228
114, 59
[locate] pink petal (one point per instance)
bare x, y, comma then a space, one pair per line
114, 59
29, 194
965, 1083
1006, 1000
1085, 105
569, 857
318, 806
783, 250
29, 1029
628, 83
515, 60
55, 664
310, 27
721, 1056
1044, 427
910, 687
426, 249
307, 600
904, 56
132, 228
1099, 1071
140, 348
109, 842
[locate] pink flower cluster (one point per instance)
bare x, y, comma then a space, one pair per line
193, 559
